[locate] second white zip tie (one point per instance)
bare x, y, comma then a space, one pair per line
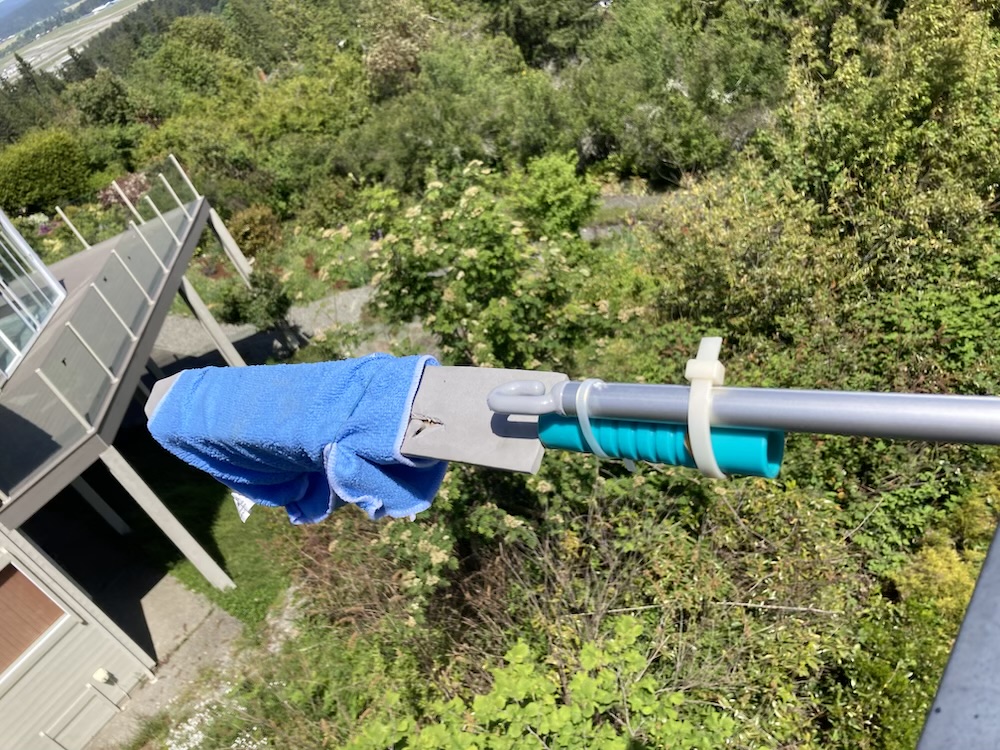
704, 372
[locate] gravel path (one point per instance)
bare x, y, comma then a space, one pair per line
183, 338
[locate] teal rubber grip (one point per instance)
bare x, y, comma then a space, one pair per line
738, 450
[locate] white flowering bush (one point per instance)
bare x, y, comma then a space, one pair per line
479, 272
425, 554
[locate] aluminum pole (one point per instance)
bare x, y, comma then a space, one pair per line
935, 418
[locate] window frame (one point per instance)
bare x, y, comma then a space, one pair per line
48, 638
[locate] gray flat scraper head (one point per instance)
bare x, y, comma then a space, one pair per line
451, 421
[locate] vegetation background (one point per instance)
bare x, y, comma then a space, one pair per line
826, 176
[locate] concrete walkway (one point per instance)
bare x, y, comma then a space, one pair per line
189, 635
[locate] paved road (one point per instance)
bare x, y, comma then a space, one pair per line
48, 52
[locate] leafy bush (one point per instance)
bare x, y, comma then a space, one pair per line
398, 31
197, 48
903, 648
547, 31
609, 701
471, 100
466, 266
264, 305
550, 198
219, 160
103, 99
256, 230
43, 168
671, 87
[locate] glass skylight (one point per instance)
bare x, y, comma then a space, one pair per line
29, 295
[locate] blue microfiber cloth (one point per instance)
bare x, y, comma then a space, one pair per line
308, 437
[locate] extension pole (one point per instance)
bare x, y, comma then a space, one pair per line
934, 418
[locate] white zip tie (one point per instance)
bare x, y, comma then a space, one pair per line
583, 416
704, 372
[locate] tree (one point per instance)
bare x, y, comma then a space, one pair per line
79, 67
103, 99
397, 32
547, 30
30, 100
197, 59
666, 89
26, 73
260, 37
472, 99
894, 135
140, 32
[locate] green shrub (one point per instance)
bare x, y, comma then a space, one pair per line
608, 700
43, 168
103, 99
462, 262
256, 230
264, 305
549, 196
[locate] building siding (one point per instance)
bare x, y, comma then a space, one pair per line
52, 696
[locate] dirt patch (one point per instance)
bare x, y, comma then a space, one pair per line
215, 269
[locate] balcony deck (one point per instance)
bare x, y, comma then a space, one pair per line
64, 404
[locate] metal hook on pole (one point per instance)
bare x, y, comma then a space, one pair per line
525, 397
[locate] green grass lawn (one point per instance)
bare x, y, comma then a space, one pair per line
248, 552
249, 557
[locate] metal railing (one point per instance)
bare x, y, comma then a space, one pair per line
62, 401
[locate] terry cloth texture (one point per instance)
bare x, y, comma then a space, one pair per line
308, 437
